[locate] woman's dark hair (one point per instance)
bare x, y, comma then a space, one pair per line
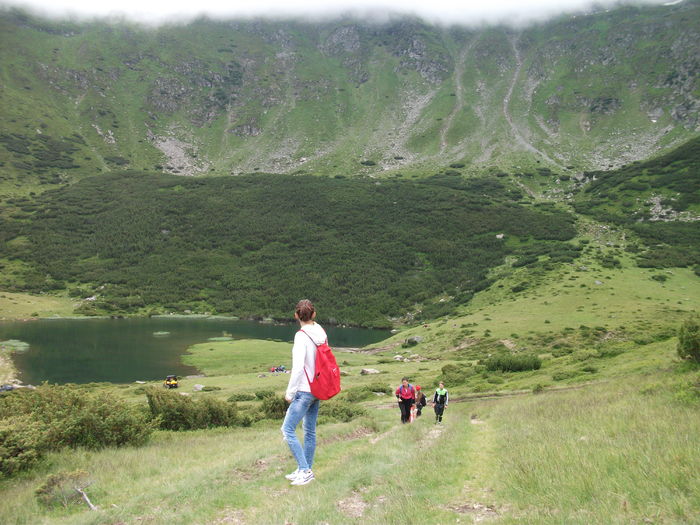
305, 310
404, 379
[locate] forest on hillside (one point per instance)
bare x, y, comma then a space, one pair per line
657, 200
253, 245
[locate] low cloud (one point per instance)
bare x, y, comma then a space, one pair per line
466, 12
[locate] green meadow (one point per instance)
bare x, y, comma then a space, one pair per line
610, 452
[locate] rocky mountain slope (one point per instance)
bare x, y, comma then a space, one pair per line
344, 96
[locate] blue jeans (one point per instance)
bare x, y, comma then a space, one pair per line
303, 406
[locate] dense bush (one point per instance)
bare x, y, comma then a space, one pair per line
22, 444
33, 422
241, 396
73, 416
456, 374
689, 340
361, 393
355, 395
340, 411
513, 362
274, 407
262, 394
173, 411
378, 387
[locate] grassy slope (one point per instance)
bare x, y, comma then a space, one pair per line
602, 454
21, 305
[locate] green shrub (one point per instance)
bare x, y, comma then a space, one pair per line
513, 363
22, 444
519, 287
566, 374
354, 395
689, 340
72, 416
262, 394
173, 411
379, 387
54, 417
455, 374
687, 392
241, 396
274, 407
360, 393
340, 411
211, 388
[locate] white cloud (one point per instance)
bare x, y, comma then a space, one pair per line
442, 11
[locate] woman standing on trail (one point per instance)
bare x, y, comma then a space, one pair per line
440, 400
406, 395
303, 405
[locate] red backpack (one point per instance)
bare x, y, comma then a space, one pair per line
326, 380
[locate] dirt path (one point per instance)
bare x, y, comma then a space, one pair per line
476, 499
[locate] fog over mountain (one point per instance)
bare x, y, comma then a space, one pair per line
510, 12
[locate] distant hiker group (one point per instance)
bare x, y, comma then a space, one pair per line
412, 400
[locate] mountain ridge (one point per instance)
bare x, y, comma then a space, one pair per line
230, 97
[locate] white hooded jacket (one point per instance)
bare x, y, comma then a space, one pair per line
304, 358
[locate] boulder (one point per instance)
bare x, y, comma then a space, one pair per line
198, 388
368, 371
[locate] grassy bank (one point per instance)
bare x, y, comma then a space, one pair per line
14, 306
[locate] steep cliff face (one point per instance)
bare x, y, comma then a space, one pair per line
584, 92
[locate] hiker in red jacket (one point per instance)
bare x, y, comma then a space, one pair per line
406, 395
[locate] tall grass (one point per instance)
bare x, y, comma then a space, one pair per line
605, 455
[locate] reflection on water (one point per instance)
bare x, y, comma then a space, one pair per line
126, 350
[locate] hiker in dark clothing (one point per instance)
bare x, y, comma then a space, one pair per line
406, 395
420, 400
440, 401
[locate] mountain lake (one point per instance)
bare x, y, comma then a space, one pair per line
127, 350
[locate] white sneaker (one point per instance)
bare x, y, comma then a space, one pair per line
304, 477
292, 475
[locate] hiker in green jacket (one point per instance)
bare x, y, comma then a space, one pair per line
440, 400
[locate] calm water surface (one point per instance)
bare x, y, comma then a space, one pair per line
126, 350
